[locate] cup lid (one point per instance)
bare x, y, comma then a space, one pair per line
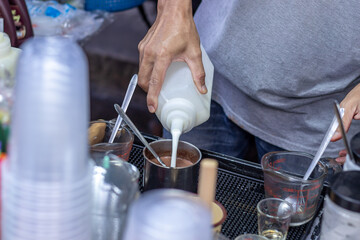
345, 191
168, 214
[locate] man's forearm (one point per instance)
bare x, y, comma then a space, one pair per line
184, 6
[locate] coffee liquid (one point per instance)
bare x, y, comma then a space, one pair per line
180, 162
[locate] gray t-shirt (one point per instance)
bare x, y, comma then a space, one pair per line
279, 65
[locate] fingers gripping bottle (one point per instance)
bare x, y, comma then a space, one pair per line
180, 105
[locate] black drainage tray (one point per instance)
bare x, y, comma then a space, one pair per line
239, 188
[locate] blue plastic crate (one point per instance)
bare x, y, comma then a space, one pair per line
111, 5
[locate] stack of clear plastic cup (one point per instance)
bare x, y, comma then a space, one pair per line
164, 214
46, 181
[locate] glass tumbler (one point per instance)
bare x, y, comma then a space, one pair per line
99, 134
273, 218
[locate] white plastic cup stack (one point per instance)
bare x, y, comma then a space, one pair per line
164, 214
46, 181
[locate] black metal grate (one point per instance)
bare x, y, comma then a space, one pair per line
239, 188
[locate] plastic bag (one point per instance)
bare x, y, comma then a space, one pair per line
51, 18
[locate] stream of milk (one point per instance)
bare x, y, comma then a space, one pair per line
175, 142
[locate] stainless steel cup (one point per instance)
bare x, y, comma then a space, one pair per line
184, 178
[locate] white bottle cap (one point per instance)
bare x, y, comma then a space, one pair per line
179, 110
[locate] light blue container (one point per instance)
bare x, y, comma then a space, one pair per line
111, 5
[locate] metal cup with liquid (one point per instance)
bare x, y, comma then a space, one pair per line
184, 176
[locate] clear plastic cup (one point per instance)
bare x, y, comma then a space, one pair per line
53, 204
115, 187
47, 199
23, 216
40, 197
51, 195
51, 112
164, 214
66, 230
38, 234
47, 177
60, 227
44, 217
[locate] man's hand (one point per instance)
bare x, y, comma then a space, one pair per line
351, 104
342, 157
173, 37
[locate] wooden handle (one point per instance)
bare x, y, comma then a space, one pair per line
207, 180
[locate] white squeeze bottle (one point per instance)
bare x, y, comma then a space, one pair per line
180, 105
8, 54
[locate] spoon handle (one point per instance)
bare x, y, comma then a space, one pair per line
128, 95
137, 132
325, 142
129, 92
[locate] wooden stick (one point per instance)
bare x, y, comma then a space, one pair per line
207, 180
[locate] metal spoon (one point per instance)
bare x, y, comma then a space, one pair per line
298, 203
325, 142
121, 113
128, 95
